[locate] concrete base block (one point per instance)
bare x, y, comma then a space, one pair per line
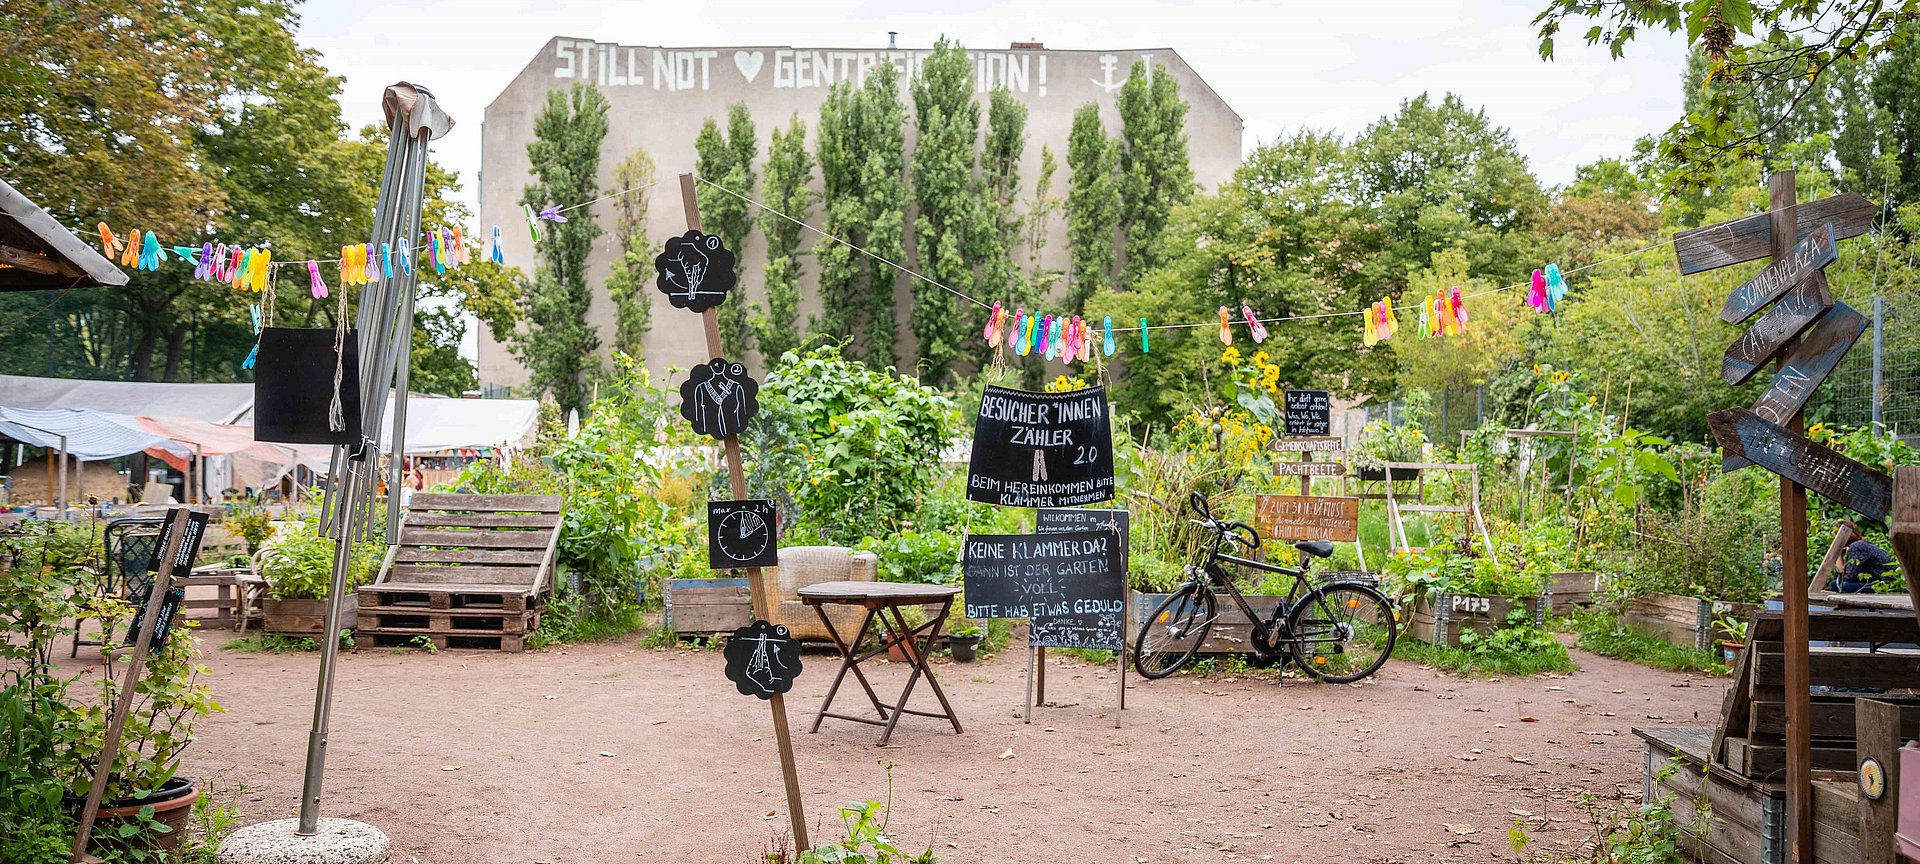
339, 841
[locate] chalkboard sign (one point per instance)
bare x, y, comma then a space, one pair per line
1038, 575
1042, 449
163, 625
293, 387
1101, 630
189, 545
762, 659
695, 271
1308, 412
742, 534
719, 397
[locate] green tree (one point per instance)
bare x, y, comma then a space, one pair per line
1155, 176
1093, 205
946, 124
999, 197
788, 191
558, 346
1895, 90
630, 284
728, 161
862, 150
436, 365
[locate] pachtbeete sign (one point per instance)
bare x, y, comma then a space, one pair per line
1039, 575
1041, 449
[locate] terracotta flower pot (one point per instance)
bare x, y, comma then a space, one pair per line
172, 807
1730, 651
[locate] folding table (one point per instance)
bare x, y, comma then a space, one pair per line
883, 601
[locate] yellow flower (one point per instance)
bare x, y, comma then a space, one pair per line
1230, 356
1260, 357
1536, 368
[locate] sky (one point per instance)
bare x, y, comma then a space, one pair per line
1282, 65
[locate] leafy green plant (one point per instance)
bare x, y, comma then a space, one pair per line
252, 522
1603, 634
911, 556
298, 563
1730, 628
1382, 442
867, 841
1625, 833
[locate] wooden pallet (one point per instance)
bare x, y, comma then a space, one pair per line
471, 568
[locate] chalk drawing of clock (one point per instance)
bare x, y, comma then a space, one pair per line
744, 535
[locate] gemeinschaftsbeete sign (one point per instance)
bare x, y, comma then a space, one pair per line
1100, 629
1039, 575
1041, 449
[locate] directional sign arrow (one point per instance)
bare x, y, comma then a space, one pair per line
1806, 302
1852, 485
1814, 253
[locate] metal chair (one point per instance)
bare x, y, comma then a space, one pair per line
130, 545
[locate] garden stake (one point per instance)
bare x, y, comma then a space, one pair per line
137, 664
762, 602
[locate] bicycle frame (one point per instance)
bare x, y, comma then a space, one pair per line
1266, 646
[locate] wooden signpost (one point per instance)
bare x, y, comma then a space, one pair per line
762, 599
1800, 239
1305, 517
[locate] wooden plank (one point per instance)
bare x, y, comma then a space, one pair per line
1841, 625
1776, 329
1830, 719
483, 520
1435, 508
485, 503
516, 539
1847, 667
1736, 708
445, 588
1308, 445
1878, 732
1811, 254
1903, 527
1810, 362
410, 555
1307, 517
1769, 761
1844, 533
1750, 237
1792, 456
468, 574
1309, 469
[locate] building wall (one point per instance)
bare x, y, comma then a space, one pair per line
658, 98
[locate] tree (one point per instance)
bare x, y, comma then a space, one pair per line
946, 124
999, 197
1036, 229
788, 191
1896, 93
630, 284
1093, 205
1798, 43
557, 345
862, 150
1155, 176
728, 161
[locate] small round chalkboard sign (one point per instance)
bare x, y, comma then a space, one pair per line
718, 398
695, 271
762, 659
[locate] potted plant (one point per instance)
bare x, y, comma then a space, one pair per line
963, 639
1733, 637
297, 564
1381, 442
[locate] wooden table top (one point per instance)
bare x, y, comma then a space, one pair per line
900, 593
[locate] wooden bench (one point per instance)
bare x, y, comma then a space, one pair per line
470, 571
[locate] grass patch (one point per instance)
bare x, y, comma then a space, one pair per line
1096, 656
1609, 638
1511, 651
275, 643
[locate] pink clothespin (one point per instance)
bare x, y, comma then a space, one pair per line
992, 333
319, 285
1254, 327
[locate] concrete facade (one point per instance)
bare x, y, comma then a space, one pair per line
658, 98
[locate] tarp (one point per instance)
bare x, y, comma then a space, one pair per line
213, 403
90, 435
434, 425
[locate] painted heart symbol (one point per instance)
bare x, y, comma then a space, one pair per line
748, 63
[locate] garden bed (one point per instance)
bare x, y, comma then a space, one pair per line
304, 617
707, 606
1232, 633
1568, 591
1441, 620
1681, 620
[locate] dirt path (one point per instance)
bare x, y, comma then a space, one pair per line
616, 752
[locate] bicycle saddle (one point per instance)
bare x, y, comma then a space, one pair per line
1316, 548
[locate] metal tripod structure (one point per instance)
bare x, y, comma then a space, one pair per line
385, 326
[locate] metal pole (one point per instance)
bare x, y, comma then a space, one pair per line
329, 653
1879, 358
64, 501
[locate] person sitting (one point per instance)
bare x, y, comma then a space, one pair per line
1866, 563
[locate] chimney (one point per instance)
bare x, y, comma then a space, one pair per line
1028, 46
890, 35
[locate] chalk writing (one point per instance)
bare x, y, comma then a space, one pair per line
1775, 329
1308, 412
1095, 629
1038, 575
1302, 517
1814, 252
1041, 449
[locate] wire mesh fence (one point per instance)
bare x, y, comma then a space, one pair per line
1879, 381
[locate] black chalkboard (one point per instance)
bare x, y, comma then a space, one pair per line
762, 659
719, 397
695, 271
1029, 575
163, 625
189, 545
1309, 412
1101, 629
1042, 449
743, 534
293, 387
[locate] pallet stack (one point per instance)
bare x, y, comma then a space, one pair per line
470, 571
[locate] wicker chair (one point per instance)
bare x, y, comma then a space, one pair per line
801, 566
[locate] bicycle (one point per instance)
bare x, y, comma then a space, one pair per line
1338, 631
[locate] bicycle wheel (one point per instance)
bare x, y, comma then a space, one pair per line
1173, 633
1341, 632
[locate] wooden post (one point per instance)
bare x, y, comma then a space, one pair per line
756, 581
1903, 527
1781, 201
137, 664
1844, 533
1876, 727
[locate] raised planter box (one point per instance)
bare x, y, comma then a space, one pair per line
1441, 621
696, 606
304, 617
1231, 634
1380, 473
1680, 620
1566, 591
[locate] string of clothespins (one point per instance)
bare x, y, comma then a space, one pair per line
248, 267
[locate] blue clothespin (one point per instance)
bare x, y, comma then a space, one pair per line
254, 311
499, 255
386, 259
1106, 347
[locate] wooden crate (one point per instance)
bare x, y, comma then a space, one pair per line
1568, 591
304, 617
1231, 633
1681, 620
468, 571
704, 606
1441, 621
1745, 821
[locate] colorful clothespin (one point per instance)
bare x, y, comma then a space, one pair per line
130, 250
533, 223
253, 310
1254, 327
1537, 294
260, 275
1459, 308
109, 244
203, 267
992, 332
1556, 287
1049, 337
386, 259
459, 245
1144, 348
1425, 324
1028, 334
1449, 326
346, 265
1076, 337
552, 214
313, 271
185, 253
150, 254
234, 261
498, 255
1107, 347
406, 259
1086, 339
439, 252
1226, 328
